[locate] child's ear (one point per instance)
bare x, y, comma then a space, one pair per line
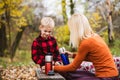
40, 27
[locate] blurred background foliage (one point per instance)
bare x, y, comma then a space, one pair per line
19, 21
62, 36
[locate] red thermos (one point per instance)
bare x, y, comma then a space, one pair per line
48, 63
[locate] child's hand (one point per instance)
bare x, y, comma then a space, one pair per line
43, 69
57, 63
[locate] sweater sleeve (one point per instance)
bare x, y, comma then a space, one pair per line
80, 56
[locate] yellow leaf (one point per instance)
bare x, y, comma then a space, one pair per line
1, 4
2, 12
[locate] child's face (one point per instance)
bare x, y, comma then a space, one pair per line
46, 32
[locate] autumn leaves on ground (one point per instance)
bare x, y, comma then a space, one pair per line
22, 68
18, 72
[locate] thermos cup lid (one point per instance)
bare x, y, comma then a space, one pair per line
62, 50
48, 57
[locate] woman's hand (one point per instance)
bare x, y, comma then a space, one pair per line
70, 54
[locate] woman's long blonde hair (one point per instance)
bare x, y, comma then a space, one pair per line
79, 29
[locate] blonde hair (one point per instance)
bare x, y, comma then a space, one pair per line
47, 22
79, 29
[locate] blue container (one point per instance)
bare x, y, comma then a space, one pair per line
64, 58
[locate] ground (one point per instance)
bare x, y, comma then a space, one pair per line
18, 72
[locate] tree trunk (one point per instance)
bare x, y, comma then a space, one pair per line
110, 30
7, 19
64, 11
3, 40
71, 7
106, 12
109, 20
16, 43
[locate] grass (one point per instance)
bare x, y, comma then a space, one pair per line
115, 49
21, 58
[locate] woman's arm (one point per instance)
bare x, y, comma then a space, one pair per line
71, 54
80, 56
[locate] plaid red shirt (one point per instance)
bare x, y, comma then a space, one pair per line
41, 46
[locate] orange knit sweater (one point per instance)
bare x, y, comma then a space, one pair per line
95, 50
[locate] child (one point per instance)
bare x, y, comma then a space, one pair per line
45, 43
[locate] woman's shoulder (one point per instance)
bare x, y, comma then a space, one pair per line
91, 39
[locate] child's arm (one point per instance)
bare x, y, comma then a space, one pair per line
36, 57
56, 53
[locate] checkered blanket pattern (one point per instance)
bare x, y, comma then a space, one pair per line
88, 66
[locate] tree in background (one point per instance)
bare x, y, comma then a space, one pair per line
11, 14
109, 21
105, 9
71, 7
64, 11
3, 37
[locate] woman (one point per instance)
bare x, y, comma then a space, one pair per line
91, 47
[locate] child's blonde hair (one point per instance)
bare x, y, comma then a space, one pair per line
79, 29
47, 22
